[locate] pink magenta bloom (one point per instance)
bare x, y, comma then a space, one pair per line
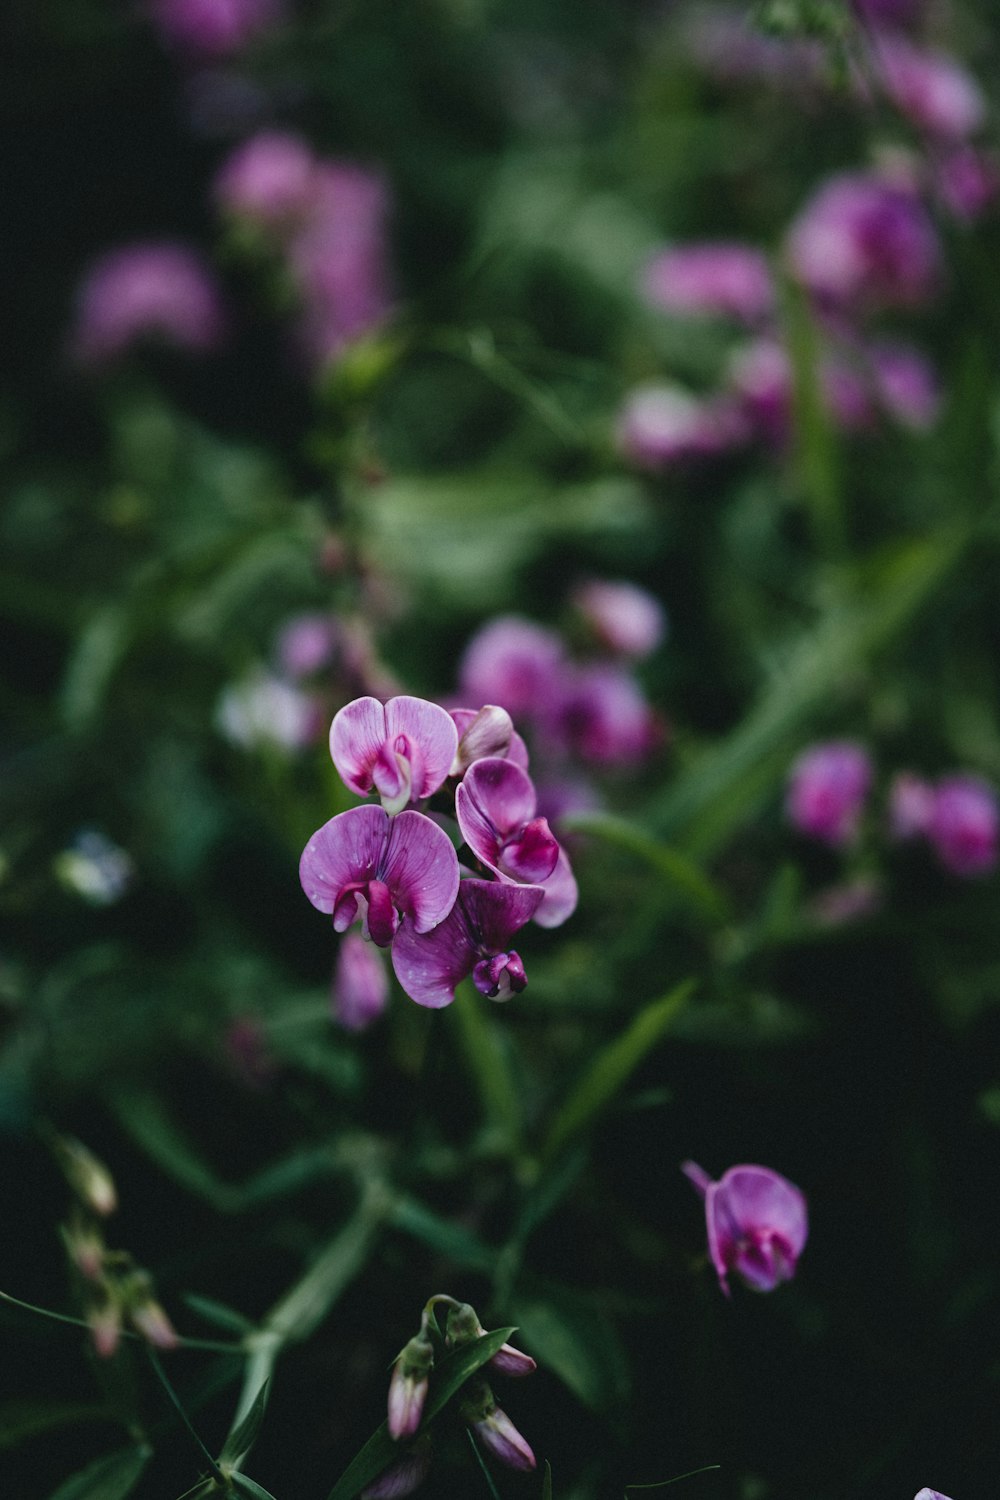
827, 790
966, 181
930, 88
213, 28
306, 643
911, 806
495, 805
472, 939
513, 662
268, 180
865, 242
265, 710
760, 376
905, 383
926, 1494
662, 424
360, 987
500, 1437
146, 291
757, 1224
717, 277
602, 716
624, 618
488, 731
364, 863
964, 825
404, 748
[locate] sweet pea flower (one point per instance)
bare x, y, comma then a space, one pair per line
473, 939
624, 618
404, 1476
207, 29
715, 277
156, 290
268, 181
602, 716
965, 825
403, 748
911, 806
408, 1386
494, 1429
760, 377
495, 805
488, 731
930, 88
757, 1224
265, 710
827, 789
966, 181
864, 241
905, 384
306, 643
513, 662
926, 1494
660, 424
360, 987
364, 863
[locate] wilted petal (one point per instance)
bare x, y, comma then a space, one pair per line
344, 853
420, 867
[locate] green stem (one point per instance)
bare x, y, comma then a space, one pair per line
213, 1467
490, 1066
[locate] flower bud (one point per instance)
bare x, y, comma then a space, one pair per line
489, 733
408, 1386
501, 976
149, 1319
493, 1428
85, 1249
104, 1320
463, 1326
87, 1176
402, 1477
360, 988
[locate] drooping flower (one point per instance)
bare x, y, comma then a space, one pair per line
404, 1476
463, 1327
496, 809
364, 863
487, 732
513, 662
146, 291
964, 826
360, 985
473, 939
493, 1428
408, 1386
757, 1224
403, 748
827, 790
864, 241
624, 618
714, 277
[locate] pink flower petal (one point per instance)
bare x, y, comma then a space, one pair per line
357, 734
344, 852
420, 867
431, 730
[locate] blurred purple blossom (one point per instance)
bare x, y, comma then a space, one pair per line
362, 863
911, 806
623, 617
513, 662
156, 290
930, 88
306, 643
757, 1224
661, 424
207, 29
906, 383
966, 181
473, 939
268, 181
602, 716
712, 277
965, 824
360, 988
827, 790
264, 710
498, 1435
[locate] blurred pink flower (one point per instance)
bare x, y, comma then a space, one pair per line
146, 291
661, 424
760, 378
931, 89
911, 806
905, 383
827, 789
360, 988
601, 715
712, 277
268, 181
513, 662
624, 618
757, 1224
265, 710
213, 28
965, 824
966, 181
306, 643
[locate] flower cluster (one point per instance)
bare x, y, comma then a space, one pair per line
959, 815
757, 1224
409, 1385
393, 867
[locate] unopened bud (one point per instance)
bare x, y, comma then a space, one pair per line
402, 1477
85, 1249
105, 1323
151, 1321
87, 1176
493, 1428
463, 1326
408, 1386
489, 734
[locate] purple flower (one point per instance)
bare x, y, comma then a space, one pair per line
306, 643
513, 662
712, 277
662, 424
486, 732
602, 716
864, 242
624, 618
896, 12
911, 806
404, 748
265, 710
360, 986
213, 28
404, 1476
965, 824
364, 863
473, 939
905, 383
760, 376
926, 1494
930, 88
495, 805
143, 291
757, 1224
827, 790
966, 181
268, 180
494, 1429
408, 1386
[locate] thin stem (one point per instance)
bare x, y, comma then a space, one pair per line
215, 1346
213, 1467
482, 1464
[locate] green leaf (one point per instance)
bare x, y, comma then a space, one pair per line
571, 1336
243, 1485
679, 873
109, 1478
547, 1482
612, 1068
452, 1373
217, 1313
102, 645
147, 1121
20, 1420
416, 1219
243, 1436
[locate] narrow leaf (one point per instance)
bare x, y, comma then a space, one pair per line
612, 1068
679, 873
243, 1436
243, 1485
217, 1313
452, 1373
547, 1482
109, 1478
20, 1420
571, 1336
